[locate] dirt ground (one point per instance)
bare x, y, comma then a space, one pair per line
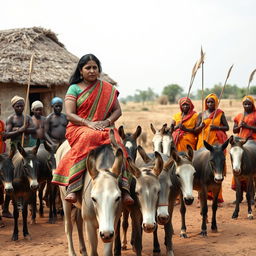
234, 237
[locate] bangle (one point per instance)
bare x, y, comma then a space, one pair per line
110, 121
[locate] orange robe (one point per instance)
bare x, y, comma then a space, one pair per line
244, 133
181, 138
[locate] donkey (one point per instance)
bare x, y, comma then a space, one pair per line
6, 174
99, 200
243, 160
175, 179
130, 143
25, 184
162, 139
209, 163
47, 163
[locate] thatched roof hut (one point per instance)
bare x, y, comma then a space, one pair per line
52, 66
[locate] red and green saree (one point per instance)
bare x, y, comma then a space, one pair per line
95, 103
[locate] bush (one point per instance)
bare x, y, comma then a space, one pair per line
163, 100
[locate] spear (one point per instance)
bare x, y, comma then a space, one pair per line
27, 95
202, 57
250, 79
218, 103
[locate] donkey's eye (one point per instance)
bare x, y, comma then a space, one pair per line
118, 198
178, 176
94, 200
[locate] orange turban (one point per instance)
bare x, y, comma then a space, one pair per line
249, 98
213, 96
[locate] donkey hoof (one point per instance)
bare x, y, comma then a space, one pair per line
124, 247
235, 215
214, 230
15, 237
183, 235
203, 233
156, 253
250, 216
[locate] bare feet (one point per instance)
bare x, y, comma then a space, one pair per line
126, 198
7, 214
71, 198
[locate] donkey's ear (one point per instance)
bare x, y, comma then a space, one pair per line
175, 156
91, 165
113, 139
159, 164
162, 130
208, 146
13, 150
153, 128
47, 146
35, 149
121, 132
168, 164
231, 140
21, 150
190, 152
144, 155
133, 169
224, 145
137, 132
118, 163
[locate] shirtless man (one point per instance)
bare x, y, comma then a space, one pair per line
39, 121
56, 122
14, 130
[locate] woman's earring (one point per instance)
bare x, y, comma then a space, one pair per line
81, 77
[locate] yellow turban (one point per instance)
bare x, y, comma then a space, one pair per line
37, 104
16, 98
249, 98
213, 96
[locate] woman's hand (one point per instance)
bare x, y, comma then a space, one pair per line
98, 125
244, 125
214, 128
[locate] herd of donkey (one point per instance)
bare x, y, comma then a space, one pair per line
158, 179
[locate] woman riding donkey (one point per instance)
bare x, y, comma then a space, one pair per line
245, 127
92, 108
212, 131
184, 124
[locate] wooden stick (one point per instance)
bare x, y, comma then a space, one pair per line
218, 103
250, 79
202, 94
27, 96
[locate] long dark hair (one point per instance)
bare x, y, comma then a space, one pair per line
76, 77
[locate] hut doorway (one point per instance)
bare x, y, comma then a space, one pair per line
33, 97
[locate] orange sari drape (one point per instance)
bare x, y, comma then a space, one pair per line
181, 138
94, 103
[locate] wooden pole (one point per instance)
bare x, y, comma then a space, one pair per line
218, 103
27, 96
250, 80
202, 94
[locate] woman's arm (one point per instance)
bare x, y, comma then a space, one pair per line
224, 127
199, 124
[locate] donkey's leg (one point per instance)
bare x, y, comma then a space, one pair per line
117, 244
125, 226
33, 207
238, 196
204, 210
183, 231
156, 249
168, 228
40, 196
79, 224
15, 235
108, 249
24, 217
136, 229
91, 232
67, 208
215, 191
249, 198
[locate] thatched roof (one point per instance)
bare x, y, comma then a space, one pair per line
53, 64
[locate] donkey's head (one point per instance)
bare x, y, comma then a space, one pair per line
7, 169
30, 163
236, 153
217, 160
147, 187
130, 141
105, 193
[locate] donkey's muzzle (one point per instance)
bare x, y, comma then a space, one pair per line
162, 219
189, 201
149, 228
107, 236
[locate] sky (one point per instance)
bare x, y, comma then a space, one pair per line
150, 43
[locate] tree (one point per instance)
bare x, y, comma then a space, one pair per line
172, 91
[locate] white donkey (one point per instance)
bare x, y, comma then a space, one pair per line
162, 139
99, 200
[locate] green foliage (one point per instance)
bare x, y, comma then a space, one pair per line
142, 96
172, 91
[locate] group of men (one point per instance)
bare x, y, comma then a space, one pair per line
51, 128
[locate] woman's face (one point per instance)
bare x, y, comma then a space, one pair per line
248, 107
185, 108
90, 71
210, 103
